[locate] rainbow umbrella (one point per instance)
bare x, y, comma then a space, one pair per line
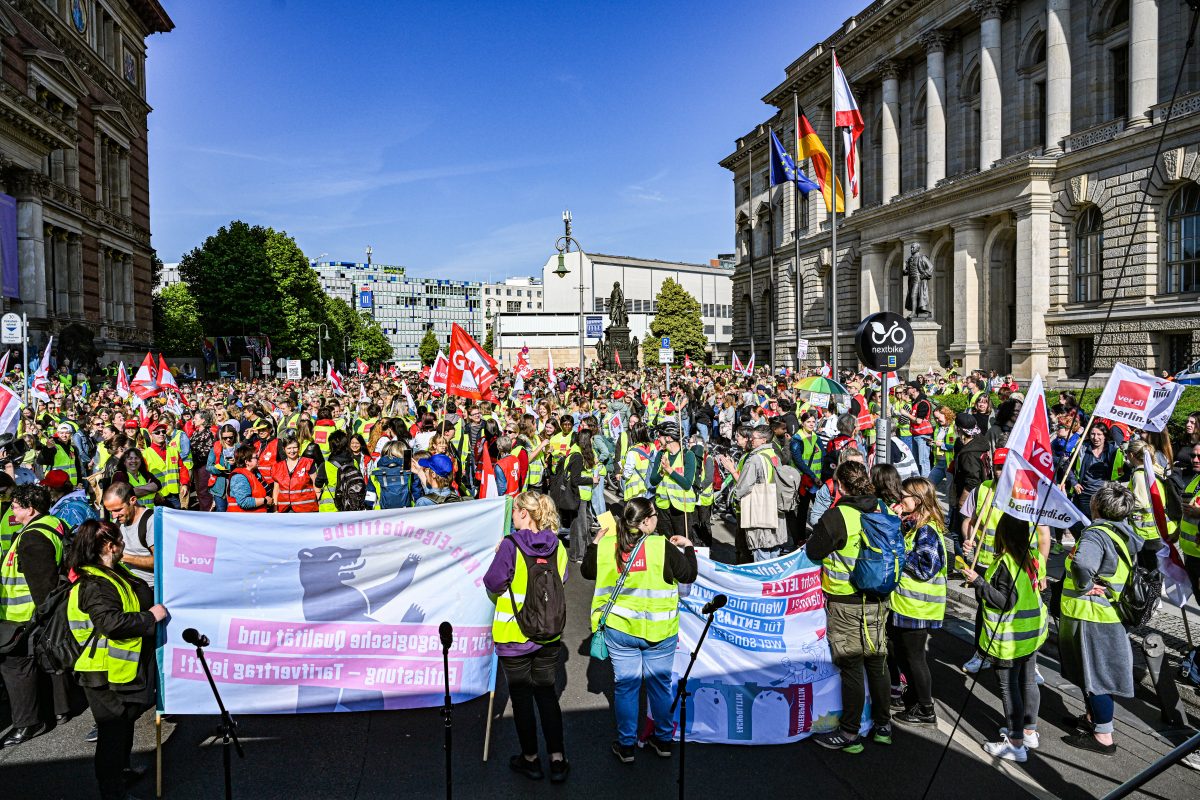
818, 391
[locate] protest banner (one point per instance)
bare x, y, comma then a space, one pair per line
326, 612
1024, 492
764, 674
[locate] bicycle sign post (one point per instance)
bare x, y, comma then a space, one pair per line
884, 343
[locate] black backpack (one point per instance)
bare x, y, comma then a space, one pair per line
543, 616
1138, 599
350, 493
564, 495
53, 645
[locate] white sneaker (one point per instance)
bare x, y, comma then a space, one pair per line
976, 663
1006, 750
1037, 675
1031, 738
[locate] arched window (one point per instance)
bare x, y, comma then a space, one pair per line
1089, 255
970, 120
748, 316
1183, 240
1033, 69
1116, 41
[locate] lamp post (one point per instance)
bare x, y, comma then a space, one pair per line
563, 246
320, 350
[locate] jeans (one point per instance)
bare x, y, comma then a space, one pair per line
1102, 708
705, 432
599, 504
938, 474
1020, 696
220, 503
636, 661
766, 553
920, 448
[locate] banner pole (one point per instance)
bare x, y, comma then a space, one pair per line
1078, 448
158, 767
487, 732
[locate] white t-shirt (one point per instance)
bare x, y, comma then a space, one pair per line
133, 543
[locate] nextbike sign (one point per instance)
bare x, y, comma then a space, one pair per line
884, 341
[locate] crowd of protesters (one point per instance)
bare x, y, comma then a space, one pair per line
81, 474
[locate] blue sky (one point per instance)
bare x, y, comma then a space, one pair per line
450, 136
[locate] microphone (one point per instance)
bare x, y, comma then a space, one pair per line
446, 631
712, 605
195, 638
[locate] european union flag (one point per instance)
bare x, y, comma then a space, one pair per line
783, 168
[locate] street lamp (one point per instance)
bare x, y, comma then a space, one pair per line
563, 246
320, 350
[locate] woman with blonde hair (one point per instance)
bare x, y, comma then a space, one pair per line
919, 602
530, 667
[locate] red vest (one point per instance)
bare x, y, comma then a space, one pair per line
268, 455
296, 489
511, 467
921, 426
256, 489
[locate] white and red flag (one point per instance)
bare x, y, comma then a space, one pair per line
145, 380
749, 371
363, 369
846, 115
41, 379
10, 409
4, 364
487, 480
737, 367
553, 377
617, 356
1025, 493
334, 379
440, 372
1030, 437
1138, 399
472, 371
826, 370
687, 361
166, 381
123, 390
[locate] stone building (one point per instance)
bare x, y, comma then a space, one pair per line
1014, 140
73, 155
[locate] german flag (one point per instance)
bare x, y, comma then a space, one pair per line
808, 146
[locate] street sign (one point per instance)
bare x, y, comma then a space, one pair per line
666, 342
279, 362
266, 362
884, 341
314, 365
293, 369
666, 355
595, 327
11, 329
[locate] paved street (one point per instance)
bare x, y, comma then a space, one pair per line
399, 753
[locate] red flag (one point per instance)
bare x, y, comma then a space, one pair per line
617, 356
363, 369
10, 410
145, 382
122, 382
1030, 435
687, 361
487, 482
441, 369
737, 368
166, 381
472, 371
334, 379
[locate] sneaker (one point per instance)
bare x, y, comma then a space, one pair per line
1006, 750
559, 770
1031, 738
1037, 675
624, 752
882, 734
93, 735
1191, 761
837, 740
898, 703
530, 769
663, 748
1086, 741
976, 663
916, 715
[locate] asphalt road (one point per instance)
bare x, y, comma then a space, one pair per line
388, 754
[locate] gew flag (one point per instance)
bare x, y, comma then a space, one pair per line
783, 168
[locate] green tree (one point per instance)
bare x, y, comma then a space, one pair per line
488, 342
356, 329
370, 341
677, 315
255, 280
429, 348
177, 328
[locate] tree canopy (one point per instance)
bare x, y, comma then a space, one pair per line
177, 327
677, 315
356, 329
429, 348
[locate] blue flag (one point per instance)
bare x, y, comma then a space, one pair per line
783, 169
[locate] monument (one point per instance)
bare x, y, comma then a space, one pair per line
616, 343
919, 271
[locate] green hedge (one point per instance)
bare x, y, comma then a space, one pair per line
1189, 403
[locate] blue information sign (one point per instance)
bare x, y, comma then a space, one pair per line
595, 327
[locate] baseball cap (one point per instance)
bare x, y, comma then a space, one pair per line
158, 426
618, 394
63, 427
131, 425
440, 464
1000, 456
967, 423
55, 479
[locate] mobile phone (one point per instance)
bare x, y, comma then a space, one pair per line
408, 461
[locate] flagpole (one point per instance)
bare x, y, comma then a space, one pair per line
750, 246
833, 281
796, 279
774, 316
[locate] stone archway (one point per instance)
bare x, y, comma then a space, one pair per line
942, 256
999, 297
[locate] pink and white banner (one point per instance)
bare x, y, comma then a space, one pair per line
1138, 399
1025, 493
326, 612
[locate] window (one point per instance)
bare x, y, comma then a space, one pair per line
1084, 352
1183, 240
1118, 59
1089, 255
1179, 352
971, 121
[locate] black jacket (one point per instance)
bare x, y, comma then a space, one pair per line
969, 465
99, 599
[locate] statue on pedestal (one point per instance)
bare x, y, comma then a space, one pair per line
616, 345
919, 271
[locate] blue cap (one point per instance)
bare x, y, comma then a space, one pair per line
440, 464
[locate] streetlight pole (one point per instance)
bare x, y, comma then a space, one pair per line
563, 246
320, 350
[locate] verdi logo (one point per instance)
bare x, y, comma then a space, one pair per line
195, 551
1025, 486
1132, 395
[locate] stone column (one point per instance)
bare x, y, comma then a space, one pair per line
1143, 61
1058, 74
75, 273
871, 279
935, 106
127, 279
62, 278
31, 254
889, 144
1030, 351
968, 253
990, 96
73, 168
123, 184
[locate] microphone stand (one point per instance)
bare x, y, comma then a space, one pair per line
681, 696
228, 727
447, 707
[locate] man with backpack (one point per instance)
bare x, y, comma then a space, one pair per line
856, 601
134, 520
758, 468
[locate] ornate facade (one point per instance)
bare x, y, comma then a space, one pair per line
1014, 140
73, 154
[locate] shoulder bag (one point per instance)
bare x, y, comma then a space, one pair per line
599, 648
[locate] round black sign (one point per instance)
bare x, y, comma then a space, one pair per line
884, 341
